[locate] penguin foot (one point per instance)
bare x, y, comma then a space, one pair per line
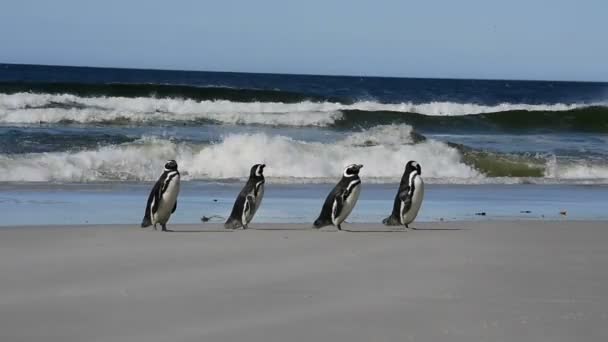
339, 227
232, 224
164, 228
146, 222
319, 223
391, 221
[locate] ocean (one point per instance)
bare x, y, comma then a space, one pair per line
92, 137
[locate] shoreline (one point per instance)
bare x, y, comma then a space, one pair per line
296, 226
78, 204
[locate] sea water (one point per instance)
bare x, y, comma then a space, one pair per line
83, 145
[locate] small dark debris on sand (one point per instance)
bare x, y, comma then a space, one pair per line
209, 218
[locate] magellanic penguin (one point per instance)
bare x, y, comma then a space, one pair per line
162, 201
249, 199
409, 197
342, 199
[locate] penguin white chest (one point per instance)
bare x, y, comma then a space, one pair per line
167, 201
349, 203
417, 196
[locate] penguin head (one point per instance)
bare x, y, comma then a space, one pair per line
352, 170
171, 165
257, 170
412, 166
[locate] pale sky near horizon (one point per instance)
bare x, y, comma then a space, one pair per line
515, 39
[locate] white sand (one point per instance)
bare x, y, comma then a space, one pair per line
489, 281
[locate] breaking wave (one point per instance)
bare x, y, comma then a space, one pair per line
383, 150
31, 108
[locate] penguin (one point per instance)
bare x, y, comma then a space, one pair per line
249, 199
409, 197
342, 199
162, 200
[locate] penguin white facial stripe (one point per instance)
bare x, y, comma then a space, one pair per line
351, 185
346, 174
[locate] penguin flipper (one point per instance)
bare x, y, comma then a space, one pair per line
154, 197
248, 210
174, 207
406, 199
151, 206
337, 207
156, 202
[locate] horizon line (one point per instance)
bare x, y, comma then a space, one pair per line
297, 74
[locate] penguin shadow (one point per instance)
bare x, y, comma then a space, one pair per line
201, 231
400, 230
438, 229
286, 229
218, 230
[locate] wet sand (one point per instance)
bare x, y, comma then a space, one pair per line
452, 281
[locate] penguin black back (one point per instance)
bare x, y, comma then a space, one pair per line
157, 191
338, 195
405, 190
252, 188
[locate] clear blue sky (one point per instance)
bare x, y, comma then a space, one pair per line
513, 39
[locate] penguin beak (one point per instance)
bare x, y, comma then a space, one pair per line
419, 170
359, 166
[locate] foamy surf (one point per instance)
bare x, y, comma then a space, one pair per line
383, 150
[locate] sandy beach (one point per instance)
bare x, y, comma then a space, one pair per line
456, 281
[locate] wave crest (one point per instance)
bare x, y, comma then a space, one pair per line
28, 108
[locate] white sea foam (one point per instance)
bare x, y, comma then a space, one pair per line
34, 108
288, 160
383, 150
575, 171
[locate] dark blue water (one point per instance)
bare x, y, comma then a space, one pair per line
381, 89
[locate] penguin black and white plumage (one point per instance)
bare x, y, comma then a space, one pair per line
409, 197
162, 200
249, 199
342, 199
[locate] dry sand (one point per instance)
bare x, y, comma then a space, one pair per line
458, 281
